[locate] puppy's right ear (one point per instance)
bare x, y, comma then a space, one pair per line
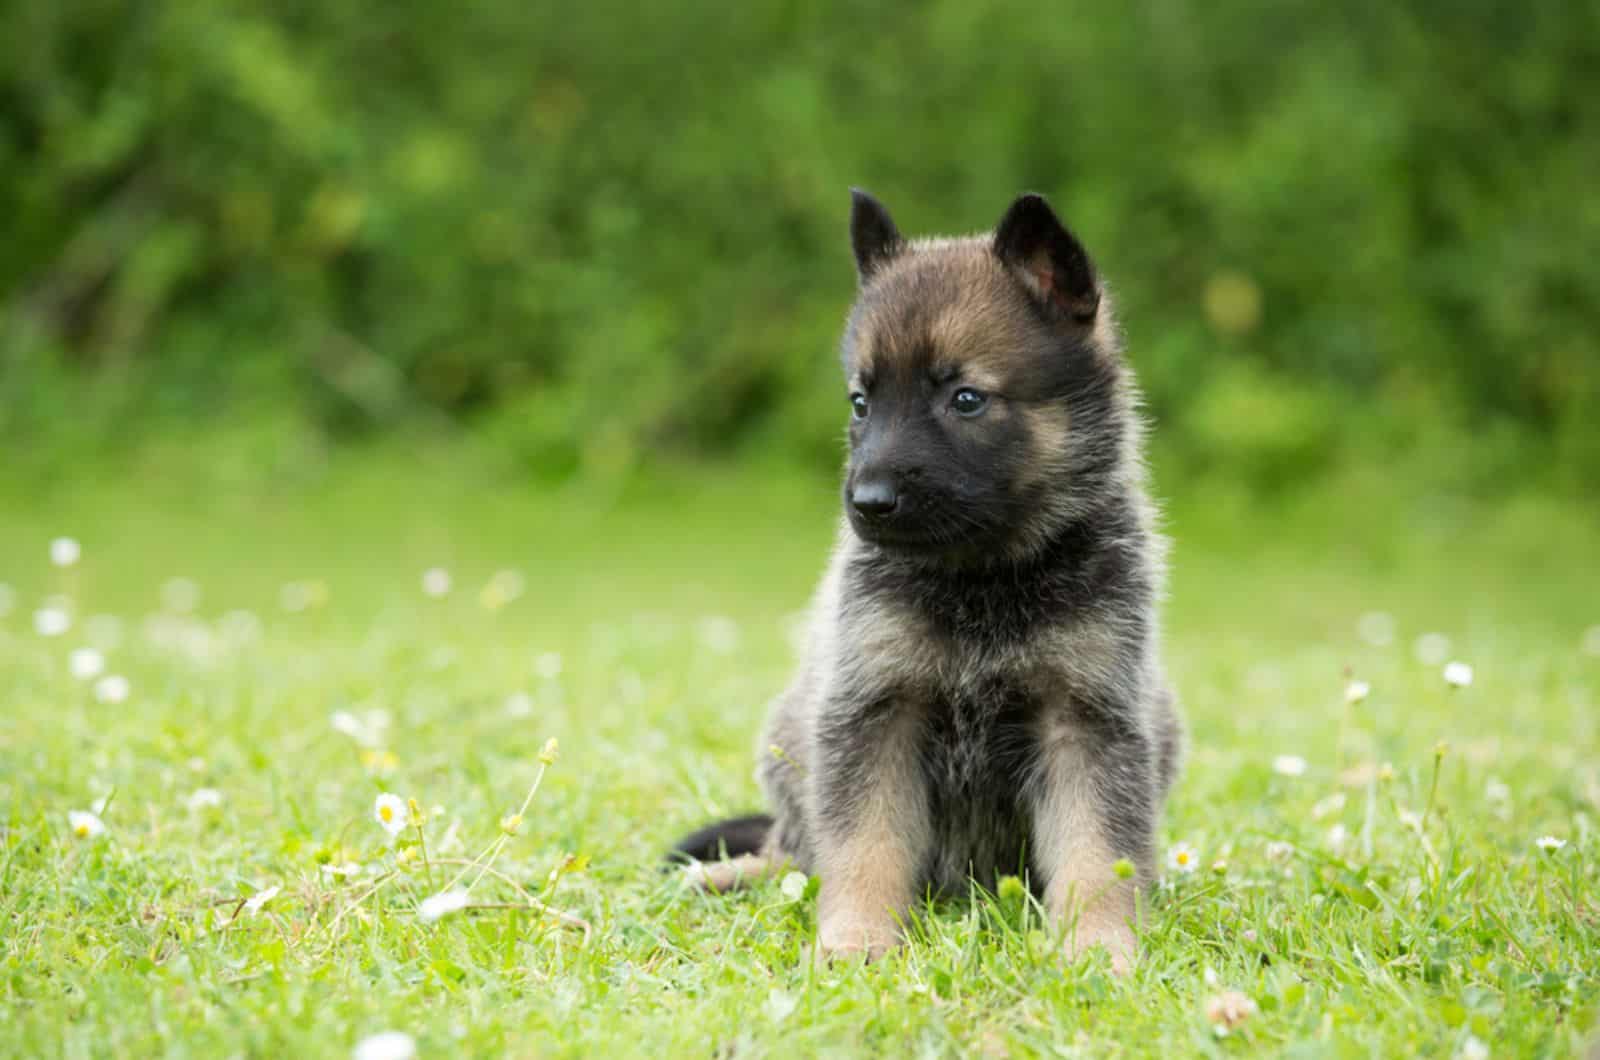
1050, 260
873, 236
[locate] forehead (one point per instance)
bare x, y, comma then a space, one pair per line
947, 308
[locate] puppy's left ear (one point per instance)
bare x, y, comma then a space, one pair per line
1050, 260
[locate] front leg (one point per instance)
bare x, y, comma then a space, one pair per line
870, 806
1093, 803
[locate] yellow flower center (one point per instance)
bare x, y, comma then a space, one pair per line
82, 830
387, 813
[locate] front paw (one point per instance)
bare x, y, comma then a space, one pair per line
855, 938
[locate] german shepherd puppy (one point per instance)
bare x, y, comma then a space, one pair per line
982, 691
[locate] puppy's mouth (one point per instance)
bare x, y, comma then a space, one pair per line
902, 535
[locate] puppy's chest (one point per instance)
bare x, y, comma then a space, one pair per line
977, 732
978, 741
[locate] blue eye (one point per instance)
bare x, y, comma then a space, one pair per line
858, 406
968, 402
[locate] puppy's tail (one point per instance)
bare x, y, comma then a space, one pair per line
733, 838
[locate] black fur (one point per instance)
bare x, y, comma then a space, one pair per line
1084, 569
873, 235
730, 838
974, 748
1030, 230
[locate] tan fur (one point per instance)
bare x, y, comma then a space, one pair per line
868, 876
985, 330
722, 876
980, 332
1085, 898
1048, 428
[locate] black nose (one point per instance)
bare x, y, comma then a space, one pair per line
874, 496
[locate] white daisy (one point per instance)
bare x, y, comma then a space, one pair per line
436, 582
261, 898
1473, 1049
1278, 850
366, 729
441, 905
1338, 836
1550, 843
112, 688
794, 886
51, 621
390, 812
1329, 805
344, 871
1377, 628
389, 1045
86, 664
1497, 790
204, 799
1458, 674
347, 723
1289, 766
64, 551
86, 825
1357, 692
1432, 649
1183, 858
780, 1005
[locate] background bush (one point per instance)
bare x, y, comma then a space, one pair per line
594, 230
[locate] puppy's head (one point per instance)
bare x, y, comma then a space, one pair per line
988, 401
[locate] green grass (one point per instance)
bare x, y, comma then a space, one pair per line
1436, 921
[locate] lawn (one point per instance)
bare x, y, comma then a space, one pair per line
1368, 876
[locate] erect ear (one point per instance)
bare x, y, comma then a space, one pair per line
1050, 260
873, 236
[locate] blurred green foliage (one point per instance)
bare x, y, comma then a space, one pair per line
598, 230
